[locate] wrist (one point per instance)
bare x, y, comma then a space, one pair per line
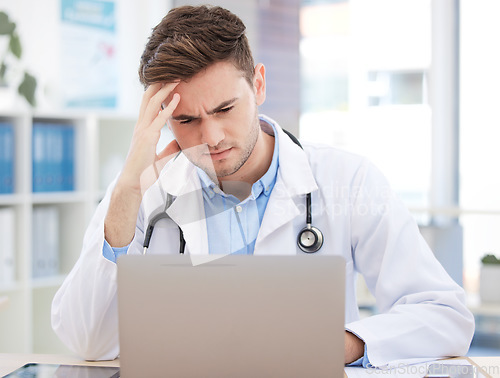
354, 347
128, 183
121, 217
137, 179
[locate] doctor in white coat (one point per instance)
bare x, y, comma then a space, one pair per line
212, 101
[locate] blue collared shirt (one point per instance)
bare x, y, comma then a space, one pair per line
232, 225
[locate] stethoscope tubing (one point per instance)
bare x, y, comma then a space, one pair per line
309, 247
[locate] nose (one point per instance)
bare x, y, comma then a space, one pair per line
212, 132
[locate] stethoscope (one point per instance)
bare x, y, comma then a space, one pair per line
309, 240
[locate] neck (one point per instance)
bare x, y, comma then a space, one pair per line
255, 167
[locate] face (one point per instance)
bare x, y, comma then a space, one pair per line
216, 121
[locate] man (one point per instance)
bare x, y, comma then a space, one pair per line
240, 187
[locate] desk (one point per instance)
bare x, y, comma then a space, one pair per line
10, 362
490, 365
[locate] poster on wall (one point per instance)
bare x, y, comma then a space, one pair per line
89, 62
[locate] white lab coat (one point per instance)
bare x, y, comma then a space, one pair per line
422, 310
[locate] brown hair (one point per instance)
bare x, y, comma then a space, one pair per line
191, 38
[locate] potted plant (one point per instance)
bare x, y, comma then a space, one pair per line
10, 59
489, 279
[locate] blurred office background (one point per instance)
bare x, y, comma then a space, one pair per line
412, 84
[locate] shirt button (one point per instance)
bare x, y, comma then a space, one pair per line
217, 190
238, 209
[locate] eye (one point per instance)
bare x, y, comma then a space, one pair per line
186, 121
226, 110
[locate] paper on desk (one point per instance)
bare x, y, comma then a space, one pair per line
418, 370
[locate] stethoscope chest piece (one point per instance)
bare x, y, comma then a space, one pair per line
310, 239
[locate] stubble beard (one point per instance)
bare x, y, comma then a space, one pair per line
246, 149
215, 172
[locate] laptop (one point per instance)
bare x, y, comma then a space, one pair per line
237, 316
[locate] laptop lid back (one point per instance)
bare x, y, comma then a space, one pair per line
238, 316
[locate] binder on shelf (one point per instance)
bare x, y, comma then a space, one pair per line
39, 157
7, 157
53, 157
68, 157
45, 254
52, 149
7, 247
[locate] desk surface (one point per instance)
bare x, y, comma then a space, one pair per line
490, 365
10, 362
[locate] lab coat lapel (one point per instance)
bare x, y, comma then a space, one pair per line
280, 211
181, 180
294, 179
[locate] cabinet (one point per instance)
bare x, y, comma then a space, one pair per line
100, 146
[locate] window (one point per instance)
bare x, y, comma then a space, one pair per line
364, 72
366, 85
479, 133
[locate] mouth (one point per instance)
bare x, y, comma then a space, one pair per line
219, 155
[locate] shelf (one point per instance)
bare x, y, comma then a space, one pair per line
11, 199
10, 287
49, 198
101, 143
486, 309
57, 197
481, 308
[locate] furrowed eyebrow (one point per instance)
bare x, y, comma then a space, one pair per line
184, 117
225, 104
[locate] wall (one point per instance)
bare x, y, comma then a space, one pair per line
278, 41
40, 32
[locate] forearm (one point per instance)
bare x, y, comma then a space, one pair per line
142, 165
121, 218
433, 328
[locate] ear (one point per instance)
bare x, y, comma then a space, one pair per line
259, 83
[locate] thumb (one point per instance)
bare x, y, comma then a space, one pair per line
167, 154
171, 149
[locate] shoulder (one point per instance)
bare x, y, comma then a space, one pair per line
321, 150
322, 157
334, 164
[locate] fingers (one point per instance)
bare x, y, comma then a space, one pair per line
142, 152
162, 117
169, 109
154, 102
146, 97
168, 153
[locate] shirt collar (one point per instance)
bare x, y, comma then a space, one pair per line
265, 184
207, 185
